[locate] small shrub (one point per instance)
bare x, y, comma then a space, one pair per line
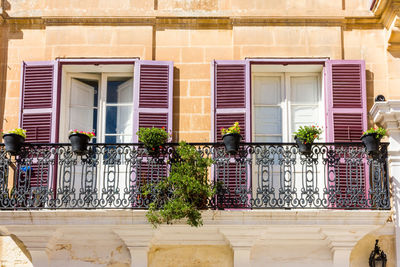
184, 192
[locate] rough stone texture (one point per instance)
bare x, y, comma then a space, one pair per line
11, 255
187, 256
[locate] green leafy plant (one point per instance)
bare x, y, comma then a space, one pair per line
89, 134
307, 134
18, 131
153, 138
184, 192
379, 131
234, 129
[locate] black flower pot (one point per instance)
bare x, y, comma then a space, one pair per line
79, 143
13, 142
371, 143
303, 148
231, 142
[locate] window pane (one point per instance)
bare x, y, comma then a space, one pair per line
268, 139
268, 120
304, 90
119, 90
119, 120
110, 139
267, 90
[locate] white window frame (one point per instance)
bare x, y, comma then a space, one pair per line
78, 71
287, 132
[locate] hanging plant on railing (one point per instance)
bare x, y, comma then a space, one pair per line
305, 137
80, 140
14, 139
372, 139
184, 192
231, 138
153, 139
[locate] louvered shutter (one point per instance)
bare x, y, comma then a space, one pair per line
346, 121
153, 94
231, 103
39, 100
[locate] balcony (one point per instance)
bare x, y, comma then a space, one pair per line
261, 176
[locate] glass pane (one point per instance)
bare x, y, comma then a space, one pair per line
119, 120
119, 90
267, 90
304, 90
124, 139
111, 120
110, 139
268, 139
268, 120
304, 115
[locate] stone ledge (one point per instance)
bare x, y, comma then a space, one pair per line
210, 218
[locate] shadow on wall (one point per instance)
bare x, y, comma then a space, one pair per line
176, 106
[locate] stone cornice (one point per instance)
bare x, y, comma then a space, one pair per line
386, 113
201, 21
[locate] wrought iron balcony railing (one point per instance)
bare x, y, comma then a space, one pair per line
261, 175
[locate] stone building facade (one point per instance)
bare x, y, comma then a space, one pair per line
286, 36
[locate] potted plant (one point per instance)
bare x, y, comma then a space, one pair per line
231, 138
153, 139
372, 139
80, 140
14, 139
184, 192
305, 137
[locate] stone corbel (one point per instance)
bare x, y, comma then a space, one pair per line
342, 241
138, 243
241, 241
37, 242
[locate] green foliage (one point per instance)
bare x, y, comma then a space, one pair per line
380, 132
184, 192
18, 131
89, 134
152, 137
308, 133
235, 128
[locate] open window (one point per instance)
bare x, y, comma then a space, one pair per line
114, 97
270, 99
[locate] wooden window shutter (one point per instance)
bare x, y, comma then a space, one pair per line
39, 101
153, 95
346, 115
231, 97
231, 103
346, 107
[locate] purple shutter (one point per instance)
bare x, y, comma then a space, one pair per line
346, 105
346, 111
39, 98
153, 94
231, 97
39, 101
231, 103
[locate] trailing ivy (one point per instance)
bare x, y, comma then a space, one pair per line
184, 192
